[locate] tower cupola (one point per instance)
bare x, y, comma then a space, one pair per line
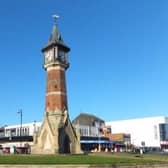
55, 51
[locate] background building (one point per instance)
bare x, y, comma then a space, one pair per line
119, 137
91, 132
88, 125
18, 136
149, 132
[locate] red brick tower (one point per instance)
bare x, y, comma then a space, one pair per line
56, 134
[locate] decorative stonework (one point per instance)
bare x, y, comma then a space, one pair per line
56, 136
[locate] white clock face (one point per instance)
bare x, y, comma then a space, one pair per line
48, 56
61, 55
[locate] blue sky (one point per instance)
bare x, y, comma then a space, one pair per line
118, 58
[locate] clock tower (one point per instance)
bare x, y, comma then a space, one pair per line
56, 134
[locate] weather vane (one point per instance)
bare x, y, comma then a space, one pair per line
55, 17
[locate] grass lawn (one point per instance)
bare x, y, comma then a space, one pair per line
99, 158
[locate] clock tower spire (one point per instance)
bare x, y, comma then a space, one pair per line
56, 134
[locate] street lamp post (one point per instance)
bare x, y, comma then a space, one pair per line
21, 114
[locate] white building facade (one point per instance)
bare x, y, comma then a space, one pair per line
149, 132
18, 135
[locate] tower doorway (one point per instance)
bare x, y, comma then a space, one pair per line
64, 142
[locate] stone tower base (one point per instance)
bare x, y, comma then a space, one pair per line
56, 135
